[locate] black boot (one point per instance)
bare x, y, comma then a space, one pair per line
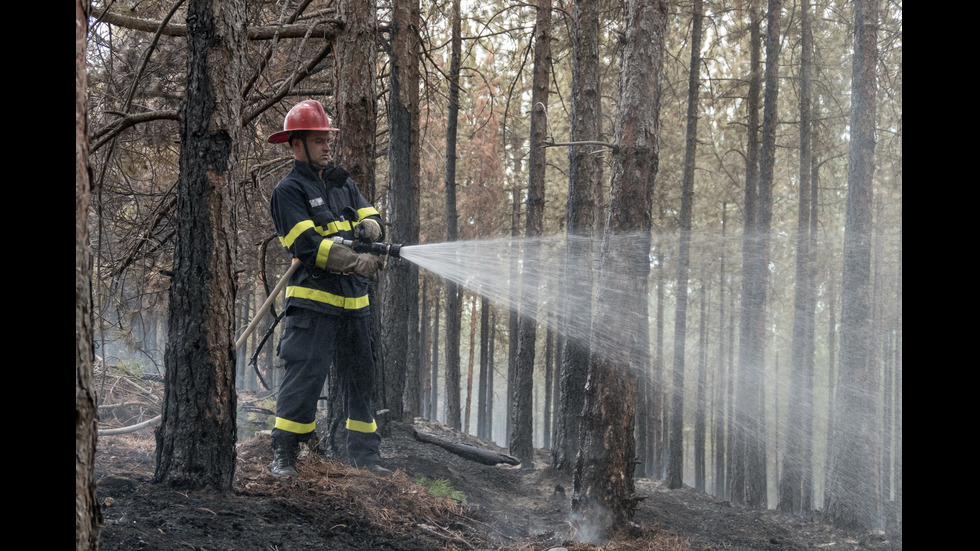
362, 451
285, 450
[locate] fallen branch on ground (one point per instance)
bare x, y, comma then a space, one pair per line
467, 451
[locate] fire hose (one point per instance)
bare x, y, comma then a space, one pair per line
380, 249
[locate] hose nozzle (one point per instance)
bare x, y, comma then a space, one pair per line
380, 249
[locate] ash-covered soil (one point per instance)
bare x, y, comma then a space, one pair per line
331, 506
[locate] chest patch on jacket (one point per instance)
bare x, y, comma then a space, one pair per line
316, 201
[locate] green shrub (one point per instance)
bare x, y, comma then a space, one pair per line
131, 367
441, 487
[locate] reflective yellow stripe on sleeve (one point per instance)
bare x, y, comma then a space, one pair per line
298, 229
361, 426
365, 212
295, 232
293, 426
334, 227
323, 253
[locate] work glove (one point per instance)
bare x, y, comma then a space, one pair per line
368, 230
345, 260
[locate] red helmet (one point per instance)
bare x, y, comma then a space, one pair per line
305, 115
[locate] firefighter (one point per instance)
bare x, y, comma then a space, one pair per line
327, 313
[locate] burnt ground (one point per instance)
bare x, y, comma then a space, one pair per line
331, 506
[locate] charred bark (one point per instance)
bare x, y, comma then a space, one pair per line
453, 292
522, 411
675, 436
196, 441
604, 493
87, 511
399, 330
584, 174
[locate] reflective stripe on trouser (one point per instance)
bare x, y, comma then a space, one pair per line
311, 342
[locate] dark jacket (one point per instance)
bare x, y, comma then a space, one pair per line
309, 210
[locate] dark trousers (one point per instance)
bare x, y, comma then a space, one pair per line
311, 343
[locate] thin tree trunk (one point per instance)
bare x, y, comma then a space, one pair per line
549, 372
242, 319
752, 348
730, 417
513, 319
898, 397
490, 374
657, 402
522, 433
425, 354
700, 420
399, 309
259, 296
807, 496
880, 361
434, 372
749, 363
675, 444
722, 382
584, 174
832, 359
483, 416
453, 293
854, 478
469, 370
798, 432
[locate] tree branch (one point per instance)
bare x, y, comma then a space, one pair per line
112, 130
323, 28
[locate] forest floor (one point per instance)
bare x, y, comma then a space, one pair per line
331, 506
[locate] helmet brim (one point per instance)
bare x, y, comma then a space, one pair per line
283, 135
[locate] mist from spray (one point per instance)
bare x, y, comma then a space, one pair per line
486, 267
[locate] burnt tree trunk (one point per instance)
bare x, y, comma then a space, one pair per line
434, 371
490, 374
453, 293
483, 413
512, 320
549, 375
604, 491
469, 367
425, 392
196, 440
87, 512
584, 174
354, 71
675, 435
399, 333
522, 410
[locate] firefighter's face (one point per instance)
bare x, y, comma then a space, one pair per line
318, 145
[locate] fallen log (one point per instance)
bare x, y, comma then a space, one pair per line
467, 451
